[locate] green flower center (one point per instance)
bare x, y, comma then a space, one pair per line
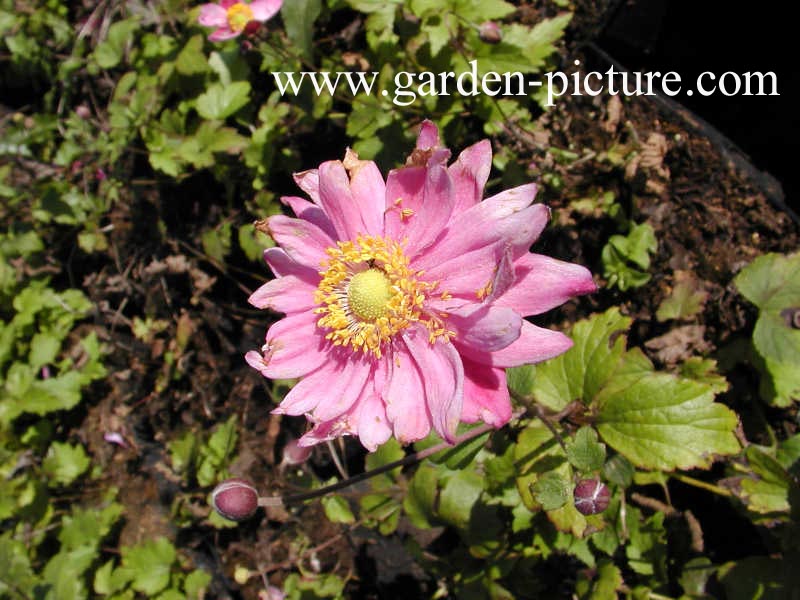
239, 15
368, 294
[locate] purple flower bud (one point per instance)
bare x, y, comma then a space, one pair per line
83, 111
591, 496
490, 32
294, 454
235, 499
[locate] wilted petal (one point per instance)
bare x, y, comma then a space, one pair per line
369, 191
373, 426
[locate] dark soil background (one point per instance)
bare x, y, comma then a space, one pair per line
692, 37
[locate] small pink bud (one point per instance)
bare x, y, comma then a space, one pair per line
235, 499
252, 28
490, 32
100, 175
113, 437
591, 496
271, 593
45, 372
76, 167
83, 111
294, 454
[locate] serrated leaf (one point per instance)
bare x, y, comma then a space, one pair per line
551, 490
220, 101
64, 463
772, 282
191, 60
626, 259
585, 452
585, 368
150, 565
109, 53
662, 422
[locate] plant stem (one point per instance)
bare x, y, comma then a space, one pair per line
701, 484
403, 462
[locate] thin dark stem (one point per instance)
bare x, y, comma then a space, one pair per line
403, 462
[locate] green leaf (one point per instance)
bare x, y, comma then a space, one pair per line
772, 283
64, 463
551, 490
581, 372
149, 565
191, 60
626, 259
337, 509
684, 302
220, 101
64, 572
458, 496
109, 53
584, 452
298, 19
656, 420
87, 527
422, 496
196, 583
662, 422
766, 490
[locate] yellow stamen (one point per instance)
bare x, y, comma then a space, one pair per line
239, 15
368, 294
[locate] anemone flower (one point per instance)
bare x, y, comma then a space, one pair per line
405, 298
231, 18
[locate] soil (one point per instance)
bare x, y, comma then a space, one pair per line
712, 212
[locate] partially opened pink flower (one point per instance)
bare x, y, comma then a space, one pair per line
230, 17
405, 299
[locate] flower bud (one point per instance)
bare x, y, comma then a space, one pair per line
294, 454
591, 496
235, 499
490, 32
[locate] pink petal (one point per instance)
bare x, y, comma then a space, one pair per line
428, 138
485, 327
371, 422
468, 274
443, 380
470, 173
329, 430
308, 181
404, 397
338, 202
428, 193
222, 34
543, 283
288, 294
343, 389
213, 15
310, 391
282, 264
265, 9
310, 212
369, 192
534, 345
294, 347
303, 241
507, 218
486, 395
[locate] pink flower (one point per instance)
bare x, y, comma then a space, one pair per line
405, 299
231, 18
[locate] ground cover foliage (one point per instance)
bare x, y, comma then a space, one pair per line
135, 156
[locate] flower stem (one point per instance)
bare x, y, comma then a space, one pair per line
403, 462
701, 484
